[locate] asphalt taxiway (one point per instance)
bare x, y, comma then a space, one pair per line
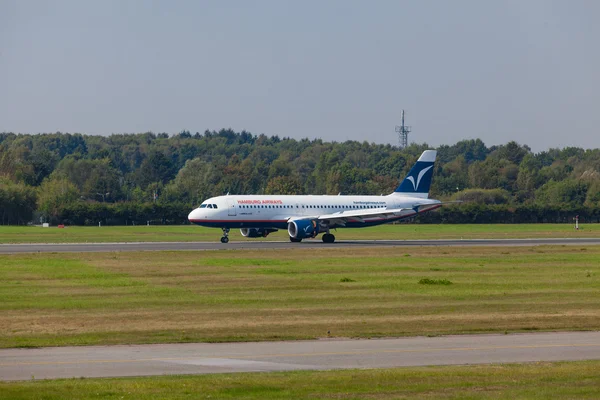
207, 358
257, 245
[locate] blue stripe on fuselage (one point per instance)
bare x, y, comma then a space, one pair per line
283, 224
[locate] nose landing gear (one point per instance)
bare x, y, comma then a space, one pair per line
225, 238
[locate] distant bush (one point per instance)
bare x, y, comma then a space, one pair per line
427, 281
473, 213
483, 196
344, 279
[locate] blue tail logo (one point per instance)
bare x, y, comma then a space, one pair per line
412, 178
418, 181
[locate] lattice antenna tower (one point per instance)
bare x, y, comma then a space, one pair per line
403, 132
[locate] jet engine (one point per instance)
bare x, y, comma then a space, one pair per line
303, 228
256, 232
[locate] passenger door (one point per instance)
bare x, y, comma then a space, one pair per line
231, 208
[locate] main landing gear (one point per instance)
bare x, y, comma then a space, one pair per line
328, 238
225, 238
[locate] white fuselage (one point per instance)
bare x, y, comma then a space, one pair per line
272, 211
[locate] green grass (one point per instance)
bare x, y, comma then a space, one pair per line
565, 380
158, 297
189, 233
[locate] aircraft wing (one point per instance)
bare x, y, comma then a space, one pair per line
362, 215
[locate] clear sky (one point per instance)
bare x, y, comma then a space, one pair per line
524, 70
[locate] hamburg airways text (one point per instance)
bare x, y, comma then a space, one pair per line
260, 202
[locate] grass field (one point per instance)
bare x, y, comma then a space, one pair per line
154, 297
189, 233
566, 380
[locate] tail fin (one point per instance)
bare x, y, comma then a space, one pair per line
418, 181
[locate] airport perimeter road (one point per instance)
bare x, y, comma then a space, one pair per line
207, 358
308, 244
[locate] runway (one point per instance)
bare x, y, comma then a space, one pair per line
207, 358
307, 244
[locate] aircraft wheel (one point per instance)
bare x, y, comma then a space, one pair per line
328, 238
224, 239
295, 240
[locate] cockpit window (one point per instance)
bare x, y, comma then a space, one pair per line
203, 206
210, 206
214, 206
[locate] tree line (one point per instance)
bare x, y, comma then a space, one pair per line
135, 178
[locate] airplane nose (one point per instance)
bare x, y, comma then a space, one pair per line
194, 215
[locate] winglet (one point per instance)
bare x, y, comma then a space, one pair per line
418, 181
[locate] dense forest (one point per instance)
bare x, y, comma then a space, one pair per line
135, 178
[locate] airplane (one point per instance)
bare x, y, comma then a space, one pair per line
307, 216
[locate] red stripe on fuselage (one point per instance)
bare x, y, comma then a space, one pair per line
241, 221
279, 221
